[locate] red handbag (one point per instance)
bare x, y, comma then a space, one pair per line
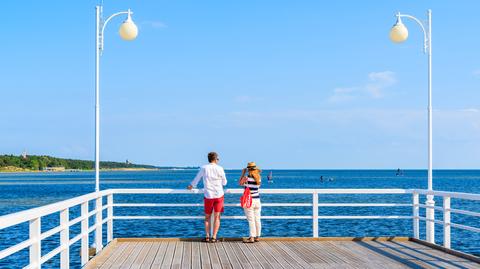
246, 199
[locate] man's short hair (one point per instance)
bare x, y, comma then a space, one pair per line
212, 156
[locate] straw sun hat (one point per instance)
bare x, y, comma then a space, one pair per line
252, 166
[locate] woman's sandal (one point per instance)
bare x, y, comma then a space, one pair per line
256, 239
249, 240
206, 239
213, 240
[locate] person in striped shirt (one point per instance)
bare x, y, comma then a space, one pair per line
253, 181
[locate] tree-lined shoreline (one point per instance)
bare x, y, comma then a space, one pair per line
33, 163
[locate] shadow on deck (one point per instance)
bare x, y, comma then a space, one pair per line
279, 253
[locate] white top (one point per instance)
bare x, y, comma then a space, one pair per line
213, 180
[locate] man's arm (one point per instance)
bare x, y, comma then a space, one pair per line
224, 178
197, 178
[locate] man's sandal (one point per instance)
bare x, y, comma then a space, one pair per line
256, 239
213, 240
206, 239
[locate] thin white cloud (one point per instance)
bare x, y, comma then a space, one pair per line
155, 24
476, 73
377, 83
342, 95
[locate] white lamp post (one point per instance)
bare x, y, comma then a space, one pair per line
128, 31
398, 34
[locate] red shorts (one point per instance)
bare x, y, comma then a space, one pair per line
214, 204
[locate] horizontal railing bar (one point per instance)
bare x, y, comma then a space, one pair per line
51, 254
75, 239
439, 208
465, 212
16, 248
365, 217
29, 214
263, 217
201, 205
92, 228
76, 220
265, 191
202, 217
51, 232
269, 204
460, 195
360, 205
431, 220
465, 227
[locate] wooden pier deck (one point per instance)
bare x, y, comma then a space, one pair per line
275, 253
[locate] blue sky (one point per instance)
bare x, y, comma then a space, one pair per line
288, 84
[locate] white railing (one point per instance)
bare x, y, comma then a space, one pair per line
34, 216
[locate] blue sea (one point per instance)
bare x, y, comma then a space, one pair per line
22, 191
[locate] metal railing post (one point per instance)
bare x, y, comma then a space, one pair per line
64, 239
110, 218
430, 215
446, 222
98, 225
84, 231
416, 221
36, 247
315, 214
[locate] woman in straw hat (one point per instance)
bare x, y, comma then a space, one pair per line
253, 181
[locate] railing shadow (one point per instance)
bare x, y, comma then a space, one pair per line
408, 262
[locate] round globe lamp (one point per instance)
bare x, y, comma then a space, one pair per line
399, 33
128, 29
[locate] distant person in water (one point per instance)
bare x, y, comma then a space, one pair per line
253, 180
214, 179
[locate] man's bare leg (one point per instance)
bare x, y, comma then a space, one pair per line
216, 224
207, 224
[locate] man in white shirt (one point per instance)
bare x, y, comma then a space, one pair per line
214, 179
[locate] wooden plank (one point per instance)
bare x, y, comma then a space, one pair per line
434, 257
305, 254
292, 255
168, 258
323, 250
369, 257
222, 255
260, 247
177, 256
285, 260
397, 255
137, 263
133, 255
242, 259
106, 260
152, 256
214, 259
260, 258
204, 256
103, 256
196, 256
187, 255
122, 258
254, 262
231, 255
